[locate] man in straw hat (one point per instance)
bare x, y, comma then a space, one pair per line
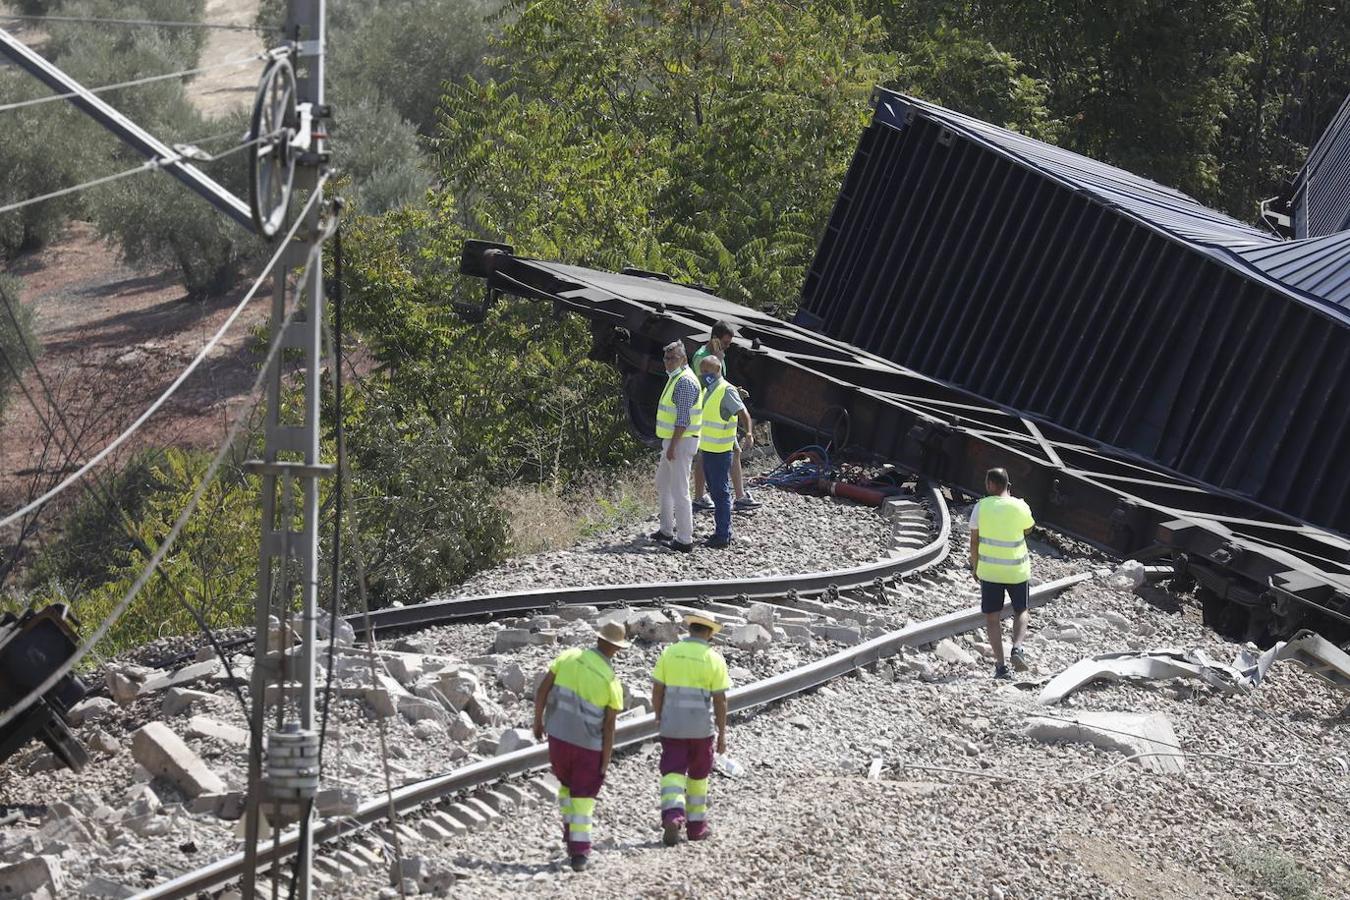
689, 696
577, 703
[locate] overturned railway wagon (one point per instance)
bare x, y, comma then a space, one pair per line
1115, 307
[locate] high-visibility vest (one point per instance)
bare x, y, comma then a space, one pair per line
584, 685
666, 412
716, 435
1002, 523
692, 673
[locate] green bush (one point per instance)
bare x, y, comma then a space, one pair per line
94, 532
17, 340
179, 48
400, 53
155, 221
381, 154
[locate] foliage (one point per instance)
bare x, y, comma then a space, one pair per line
704, 139
399, 54
177, 48
155, 222
95, 531
213, 562
1273, 873
1220, 99
517, 397
380, 154
16, 333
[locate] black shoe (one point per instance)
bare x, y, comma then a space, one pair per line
679, 547
579, 863
1001, 673
1018, 658
660, 537
670, 833
715, 544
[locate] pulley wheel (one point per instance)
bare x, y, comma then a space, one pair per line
271, 169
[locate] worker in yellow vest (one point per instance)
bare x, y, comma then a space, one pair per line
1001, 563
723, 334
722, 409
689, 695
577, 704
678, 418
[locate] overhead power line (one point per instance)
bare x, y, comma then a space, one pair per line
185, 151
177, 382
171, 538
134, 23
137, 82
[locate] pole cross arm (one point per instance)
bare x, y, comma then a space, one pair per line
126, 130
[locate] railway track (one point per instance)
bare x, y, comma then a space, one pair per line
922, 526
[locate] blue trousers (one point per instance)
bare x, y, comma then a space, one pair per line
717, 475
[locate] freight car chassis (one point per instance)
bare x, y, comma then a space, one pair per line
1262, 575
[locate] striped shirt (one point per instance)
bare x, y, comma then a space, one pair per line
686, 395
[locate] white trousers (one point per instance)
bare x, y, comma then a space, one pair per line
672, 484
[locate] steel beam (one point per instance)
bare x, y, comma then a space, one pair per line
128, 131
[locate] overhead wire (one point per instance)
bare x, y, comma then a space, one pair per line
177, 383
217, 461
137, 82
135, 23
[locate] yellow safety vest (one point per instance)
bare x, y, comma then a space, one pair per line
717, 435
1002, 523
666, 412
692, 672
584, 685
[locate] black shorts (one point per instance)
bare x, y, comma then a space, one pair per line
991, 596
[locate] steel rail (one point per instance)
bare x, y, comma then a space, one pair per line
441, 611
633, 731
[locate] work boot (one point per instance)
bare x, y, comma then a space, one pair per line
670, 833
1018, 658
660, 537
580, 862
715, 544
680, 547
702, 835
1001, 673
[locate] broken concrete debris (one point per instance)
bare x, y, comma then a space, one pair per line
1148, 739
1307, 648
164, 754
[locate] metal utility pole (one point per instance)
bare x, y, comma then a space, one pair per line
284, 653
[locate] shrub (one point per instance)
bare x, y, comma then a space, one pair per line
401, 53
381, 154
157, 222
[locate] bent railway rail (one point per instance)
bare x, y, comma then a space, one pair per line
1263, 574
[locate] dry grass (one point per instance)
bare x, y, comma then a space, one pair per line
543, 519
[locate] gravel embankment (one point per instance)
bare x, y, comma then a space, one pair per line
789, 534
101, 823
994, 813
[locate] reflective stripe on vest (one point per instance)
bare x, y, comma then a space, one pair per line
687, 710
572, 714
718, 435
1003, 547
666, 411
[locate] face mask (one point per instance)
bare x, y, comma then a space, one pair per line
710, 380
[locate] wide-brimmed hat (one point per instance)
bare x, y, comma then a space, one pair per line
705, 621
613, 633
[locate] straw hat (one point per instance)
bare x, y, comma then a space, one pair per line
696, 619
613, 633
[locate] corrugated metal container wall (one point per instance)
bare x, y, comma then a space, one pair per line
964, 265
1323, 205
